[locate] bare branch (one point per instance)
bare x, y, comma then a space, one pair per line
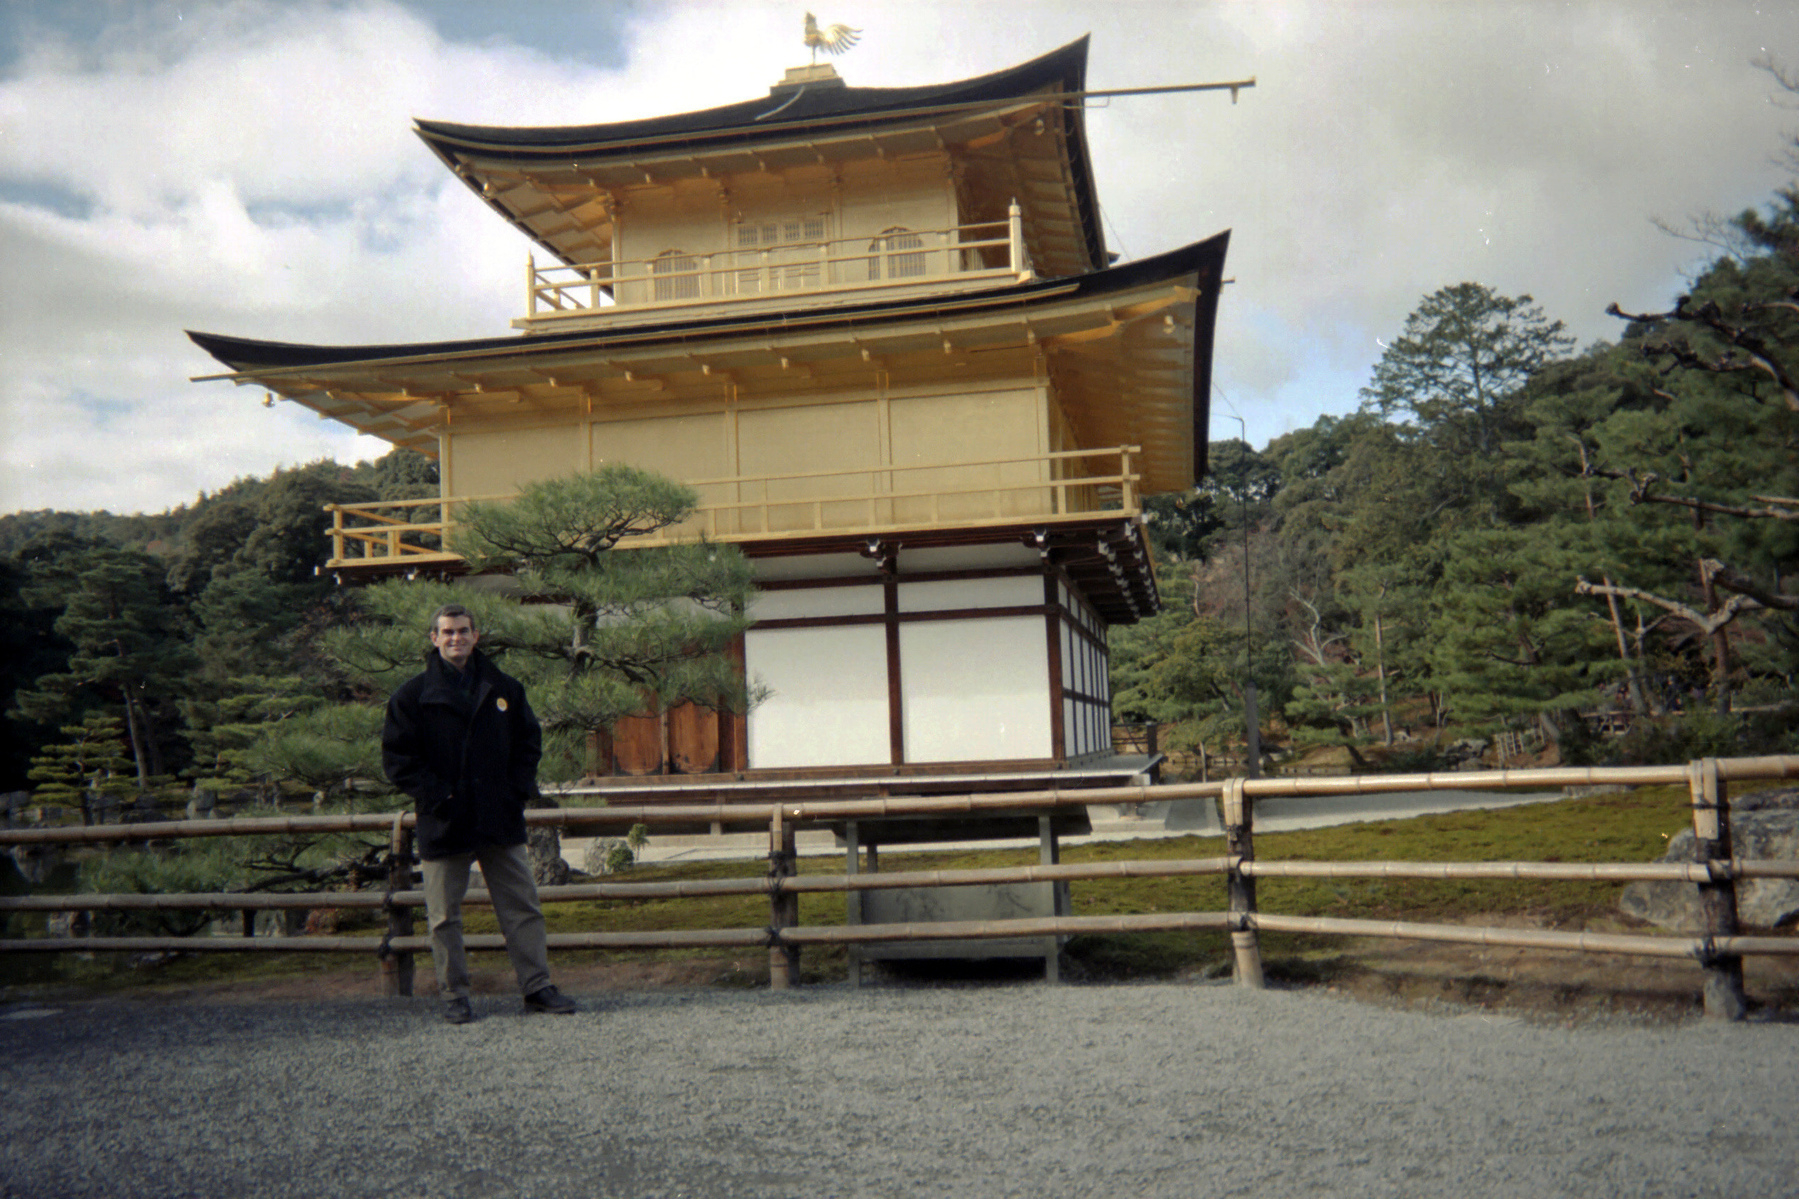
1642, 491
1313, 645
1707, 229
1612, 309
1698, 505
1707, 624
1735, 580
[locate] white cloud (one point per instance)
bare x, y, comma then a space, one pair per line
248, 167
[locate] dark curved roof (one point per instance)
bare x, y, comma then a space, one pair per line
836, 104
788, 111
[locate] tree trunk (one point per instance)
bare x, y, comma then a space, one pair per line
1639, 705
1720, 644
134, 732
1380, 673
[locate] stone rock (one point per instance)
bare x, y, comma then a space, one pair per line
608, 855
1763, 825
544, 845
1466, 754
280, 922
68, 924
37, 862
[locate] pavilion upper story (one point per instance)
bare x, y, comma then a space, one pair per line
817, 194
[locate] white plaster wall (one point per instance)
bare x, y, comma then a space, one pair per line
975, 690
787, 604
828, 705
948, 594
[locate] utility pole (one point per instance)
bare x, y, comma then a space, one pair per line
1252, 721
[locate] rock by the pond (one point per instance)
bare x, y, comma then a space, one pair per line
1762, 825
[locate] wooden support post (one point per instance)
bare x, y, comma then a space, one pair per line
852, 899
1015, 241
1724, 996
1240, 889
783, 905
1049, 853
397, 968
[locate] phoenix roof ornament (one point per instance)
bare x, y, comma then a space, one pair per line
833, 39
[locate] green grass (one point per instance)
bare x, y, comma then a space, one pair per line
1629, 827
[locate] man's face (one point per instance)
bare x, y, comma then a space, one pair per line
455, 639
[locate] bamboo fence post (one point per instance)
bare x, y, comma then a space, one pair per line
852, 899
1724, 997
783, 905
1240, 888
397, 968
1049, 853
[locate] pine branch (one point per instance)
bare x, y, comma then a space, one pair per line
1756, 354
1642, 491
1731, 579
1706, 623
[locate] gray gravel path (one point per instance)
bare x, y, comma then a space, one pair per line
1022, 1090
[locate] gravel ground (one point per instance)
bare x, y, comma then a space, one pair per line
998, 1090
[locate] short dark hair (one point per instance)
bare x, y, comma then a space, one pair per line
453, 611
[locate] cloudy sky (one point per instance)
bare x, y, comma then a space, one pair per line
247, 167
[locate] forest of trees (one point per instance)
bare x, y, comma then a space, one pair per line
1509, 533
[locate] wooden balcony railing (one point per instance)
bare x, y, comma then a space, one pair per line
1044, 488
895, 259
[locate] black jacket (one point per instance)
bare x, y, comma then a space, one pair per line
468, 757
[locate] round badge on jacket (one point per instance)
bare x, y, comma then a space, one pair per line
500, 703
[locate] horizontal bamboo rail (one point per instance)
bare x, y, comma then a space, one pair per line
1672, 946
692, 938
757, 938
1684, 872
929, 806
1680, 872
1698, 948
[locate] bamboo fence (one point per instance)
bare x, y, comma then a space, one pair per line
1718, 948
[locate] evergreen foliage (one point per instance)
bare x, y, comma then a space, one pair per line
81, 774
599, 635
128, 652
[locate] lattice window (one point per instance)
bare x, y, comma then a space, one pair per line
884, 262
786, 253
676, 275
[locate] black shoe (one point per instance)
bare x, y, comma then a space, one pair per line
458, 1011
549, 999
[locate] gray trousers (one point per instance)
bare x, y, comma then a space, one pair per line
507, 870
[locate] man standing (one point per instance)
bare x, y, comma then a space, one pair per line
461, 740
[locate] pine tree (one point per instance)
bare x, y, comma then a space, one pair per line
127, 632
1464, 354
1507, 647
1710, 450
82, 774
603, 631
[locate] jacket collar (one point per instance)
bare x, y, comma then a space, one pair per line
441, 684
